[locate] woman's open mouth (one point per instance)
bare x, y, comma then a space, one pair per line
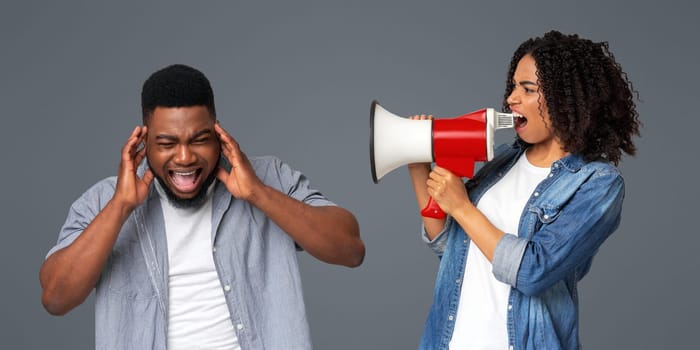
519, 121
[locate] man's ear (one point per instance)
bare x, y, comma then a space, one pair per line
144, 141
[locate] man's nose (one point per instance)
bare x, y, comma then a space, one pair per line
184, 155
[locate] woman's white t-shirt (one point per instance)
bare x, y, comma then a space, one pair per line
483, 304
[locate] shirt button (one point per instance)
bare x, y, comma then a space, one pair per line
214, 249
451, 318
510, 307
546, 216
550, 174
227, 288
510, 347
457, 281
239, 326
537, 194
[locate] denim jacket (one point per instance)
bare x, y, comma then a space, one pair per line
255, 260
563, 224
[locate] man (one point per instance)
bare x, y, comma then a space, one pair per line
203, 257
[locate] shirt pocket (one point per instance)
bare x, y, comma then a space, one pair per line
555, 198
127, 273
546, 214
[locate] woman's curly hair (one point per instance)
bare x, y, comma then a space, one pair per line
589, 98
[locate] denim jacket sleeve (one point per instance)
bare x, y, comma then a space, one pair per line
561, 231
438, 243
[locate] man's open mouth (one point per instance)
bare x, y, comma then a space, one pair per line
185, 181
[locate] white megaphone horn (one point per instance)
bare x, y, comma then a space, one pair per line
452, 143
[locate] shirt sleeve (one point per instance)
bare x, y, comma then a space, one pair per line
281, 176
293, 183
82, 212
566, 238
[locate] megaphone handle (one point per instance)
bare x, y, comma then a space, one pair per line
433, 210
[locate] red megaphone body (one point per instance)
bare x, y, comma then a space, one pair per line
453, 143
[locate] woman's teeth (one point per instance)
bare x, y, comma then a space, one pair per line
519, 120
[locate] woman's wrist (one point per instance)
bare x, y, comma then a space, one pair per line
465, 211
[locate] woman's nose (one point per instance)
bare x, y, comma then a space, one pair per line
512, 98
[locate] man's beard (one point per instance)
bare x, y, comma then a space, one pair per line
187, 203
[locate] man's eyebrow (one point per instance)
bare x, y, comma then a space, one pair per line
201, 133
173, 138
166, 137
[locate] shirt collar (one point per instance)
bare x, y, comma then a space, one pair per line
572, 162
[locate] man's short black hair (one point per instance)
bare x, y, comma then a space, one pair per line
176, 86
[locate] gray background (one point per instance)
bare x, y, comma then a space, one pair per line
295, 79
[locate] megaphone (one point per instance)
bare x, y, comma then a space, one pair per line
452, 143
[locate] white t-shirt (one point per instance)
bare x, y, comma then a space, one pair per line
198, 317
482, 314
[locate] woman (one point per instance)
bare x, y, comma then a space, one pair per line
523, 231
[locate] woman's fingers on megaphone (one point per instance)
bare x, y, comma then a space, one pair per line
445, 178
446, 188
438, 170
421, 117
